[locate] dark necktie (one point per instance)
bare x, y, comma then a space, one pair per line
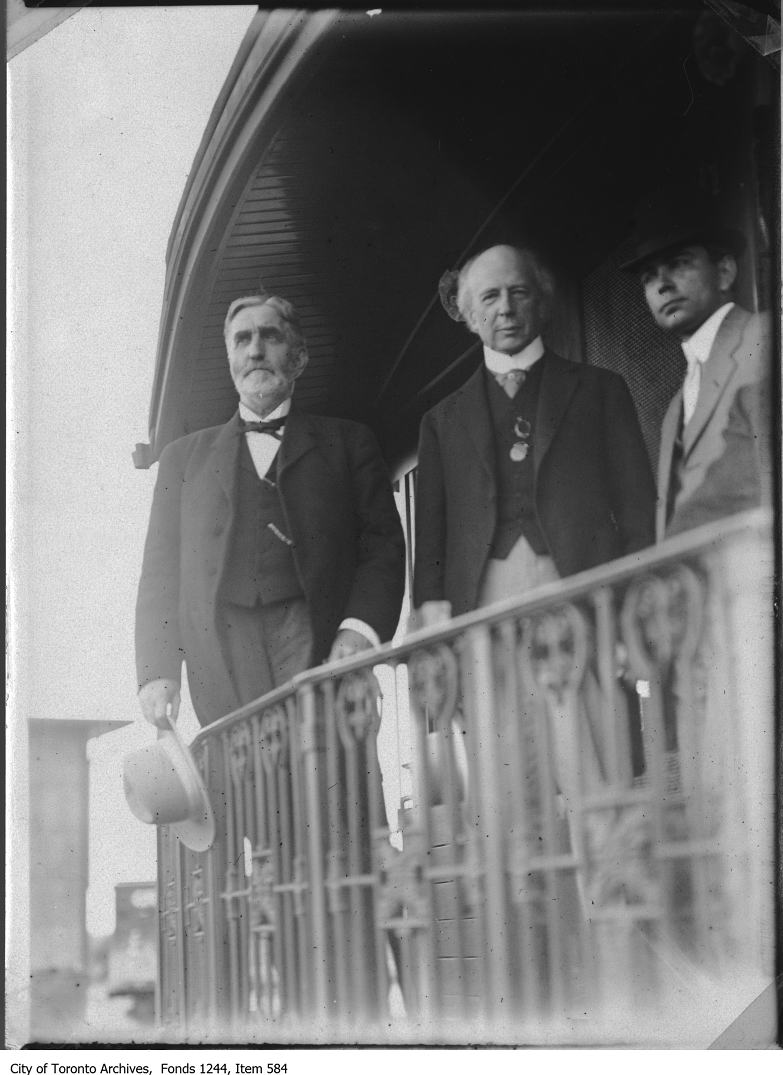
262, 427
510, 382
675, 473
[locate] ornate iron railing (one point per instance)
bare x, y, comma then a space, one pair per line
587, 854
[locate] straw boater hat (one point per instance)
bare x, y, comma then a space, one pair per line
164, 787
674, 217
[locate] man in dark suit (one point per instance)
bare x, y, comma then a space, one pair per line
686, 259
271, 545
535, 468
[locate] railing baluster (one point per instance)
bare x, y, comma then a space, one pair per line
553, 849
212, 917
299, 853
423, 690
478, 654
694, 651
282, 838
335, 852
244, 832
256, 813
522, 823
231, 866
378, 829
615, 731
455, 842
310, 761
272, 732
239, 751
351, 834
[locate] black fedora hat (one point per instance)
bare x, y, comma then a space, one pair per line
673, 217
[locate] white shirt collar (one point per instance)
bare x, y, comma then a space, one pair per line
278, 412
498, 363
698, 346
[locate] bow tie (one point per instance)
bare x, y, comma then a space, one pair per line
262, 427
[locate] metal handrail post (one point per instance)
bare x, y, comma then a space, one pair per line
478, 652
306, 705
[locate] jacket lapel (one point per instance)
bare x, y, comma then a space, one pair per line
558, 383
224, 465
298, 438
473, 413
226, 456
715, 374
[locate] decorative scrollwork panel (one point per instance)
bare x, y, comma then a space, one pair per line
274, 738
556, 649
433, 677
357, 707
662, 620
239, 746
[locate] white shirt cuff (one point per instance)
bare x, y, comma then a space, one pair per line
361, 628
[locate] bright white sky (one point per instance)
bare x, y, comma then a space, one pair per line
106, 114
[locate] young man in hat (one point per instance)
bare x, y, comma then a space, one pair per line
686, 260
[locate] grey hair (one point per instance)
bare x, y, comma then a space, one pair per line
282, 306
543, 277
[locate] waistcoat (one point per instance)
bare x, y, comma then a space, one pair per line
515, 481
260, 565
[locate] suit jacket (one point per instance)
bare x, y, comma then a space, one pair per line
594, 490
347, 545
741, 477
738, 356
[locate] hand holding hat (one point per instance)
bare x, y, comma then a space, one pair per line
164, 787
159, 700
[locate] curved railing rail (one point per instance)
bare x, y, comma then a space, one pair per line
588, 850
